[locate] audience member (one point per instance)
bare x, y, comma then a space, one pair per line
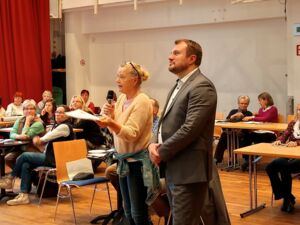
15, 108
90, 130
48, 112
280, 170
85, 94
130, 120
155, 106
25, 129
185, 137
2, 110
46, 96
27, 161
235, 115
267, 113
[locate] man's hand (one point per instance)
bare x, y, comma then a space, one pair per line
153, 153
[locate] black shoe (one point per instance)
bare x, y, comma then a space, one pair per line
245, 166
288, 205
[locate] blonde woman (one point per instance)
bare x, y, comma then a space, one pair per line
130, 121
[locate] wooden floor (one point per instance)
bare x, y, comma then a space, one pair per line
235, 188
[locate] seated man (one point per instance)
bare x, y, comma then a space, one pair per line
61, 131
234, 115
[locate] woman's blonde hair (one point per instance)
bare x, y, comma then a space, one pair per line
137, 70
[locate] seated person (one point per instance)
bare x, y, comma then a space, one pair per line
15, 108
85, 94
24, 129
90, 129
280, 170
61, 131
234, 115
48, 112
2, 110
267, 113
46, 96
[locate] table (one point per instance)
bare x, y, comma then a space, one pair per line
231, 130
3, 148
6, 123
267, 150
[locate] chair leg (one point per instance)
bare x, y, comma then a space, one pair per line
94, 192
202, 220
44, 185
72, 202
169, 217
272, 199
57, 200
108, 193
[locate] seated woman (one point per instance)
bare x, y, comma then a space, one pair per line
15, 108
85, 94
267, 113
90, 129
47, 113
2, 110
61, 131
25, 129
280, 170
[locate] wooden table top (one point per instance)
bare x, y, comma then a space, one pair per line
270, 150
253, 126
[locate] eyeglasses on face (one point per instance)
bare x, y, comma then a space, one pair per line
59, 112
30, 108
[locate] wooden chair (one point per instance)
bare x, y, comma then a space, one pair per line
290, 118
218, 130
281, 118
66, 151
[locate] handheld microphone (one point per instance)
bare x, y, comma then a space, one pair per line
110, 96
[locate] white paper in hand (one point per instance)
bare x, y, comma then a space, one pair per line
79, 166
80, 114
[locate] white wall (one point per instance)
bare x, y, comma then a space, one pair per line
244, 47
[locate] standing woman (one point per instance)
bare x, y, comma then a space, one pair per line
280, 170
130, 120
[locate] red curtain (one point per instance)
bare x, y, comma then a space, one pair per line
25, 61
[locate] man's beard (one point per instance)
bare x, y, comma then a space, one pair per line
177, 69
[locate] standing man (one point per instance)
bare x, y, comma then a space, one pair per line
185, 136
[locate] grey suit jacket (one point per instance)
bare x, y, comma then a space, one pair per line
187, 131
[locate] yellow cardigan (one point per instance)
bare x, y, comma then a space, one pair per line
136, 124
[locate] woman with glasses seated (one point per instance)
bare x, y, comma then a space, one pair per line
280, 170
26, 162
25, 129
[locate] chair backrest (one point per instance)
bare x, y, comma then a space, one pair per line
290, 118
66, 151
218, 130
280, 118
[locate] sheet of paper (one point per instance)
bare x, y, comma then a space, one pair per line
79, 166
80, 114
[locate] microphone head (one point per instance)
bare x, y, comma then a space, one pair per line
110, 96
